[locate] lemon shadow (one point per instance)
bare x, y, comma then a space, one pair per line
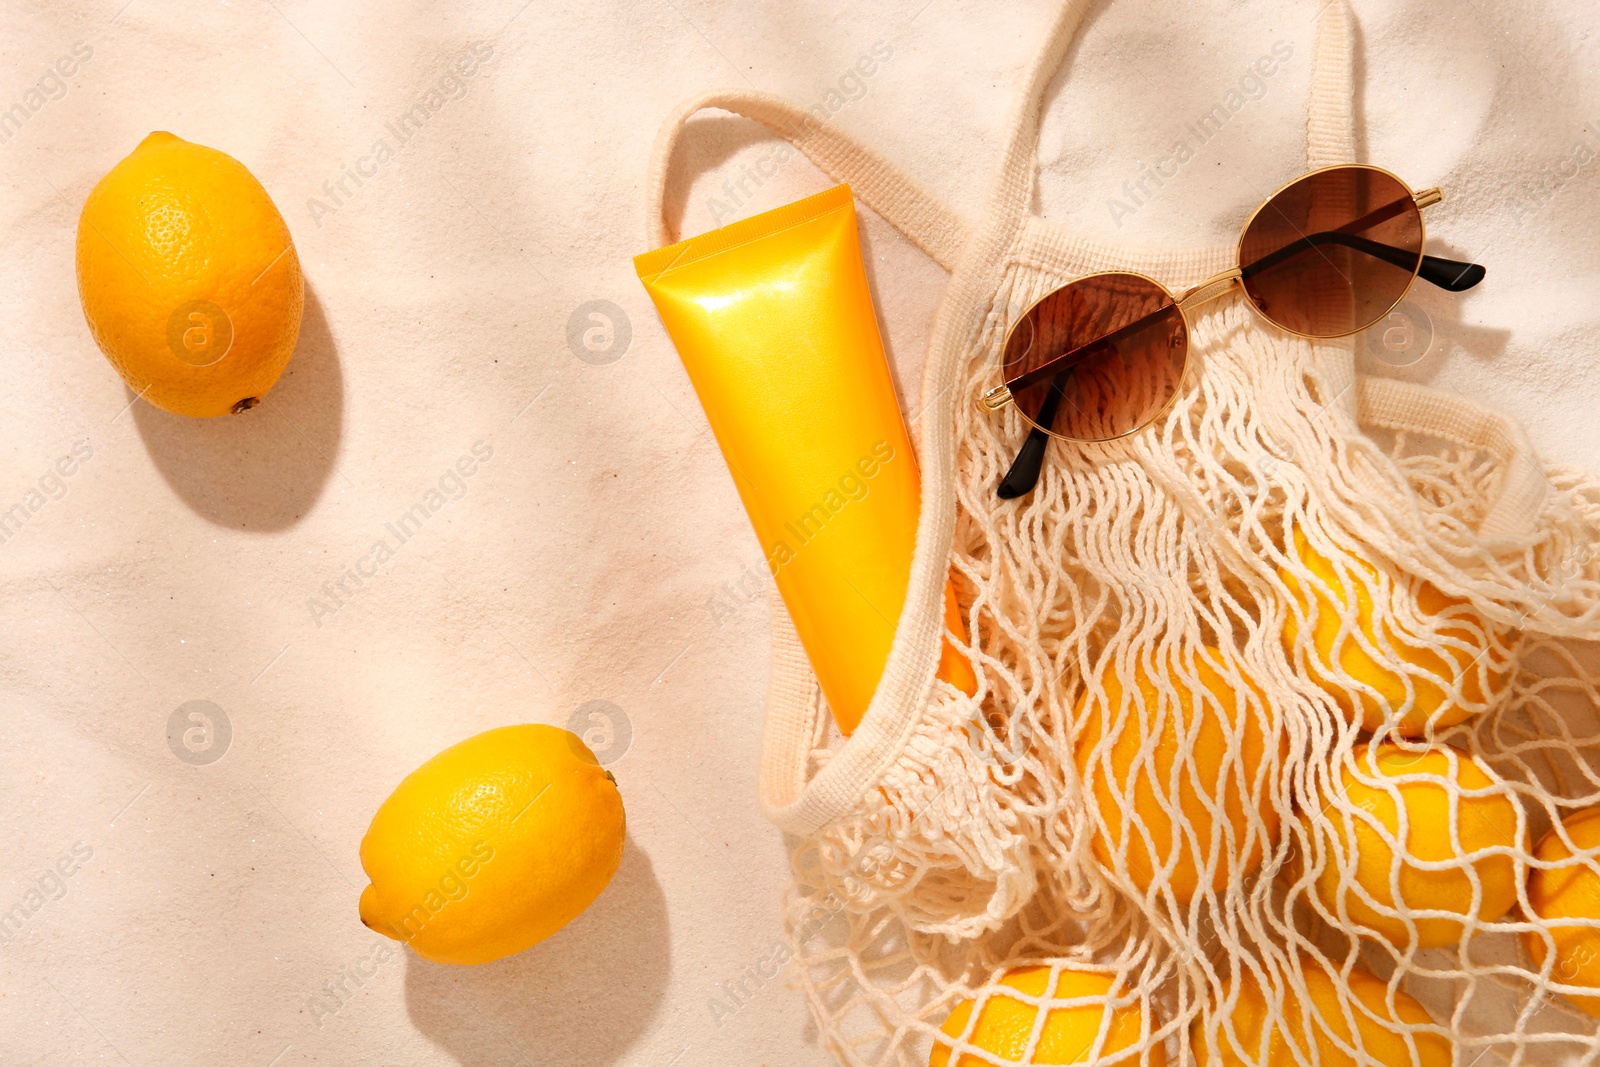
582, 996
262, 469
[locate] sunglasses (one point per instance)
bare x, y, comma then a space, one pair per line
1326, 256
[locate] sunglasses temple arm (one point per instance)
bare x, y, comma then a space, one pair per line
1067, 360
1450, 274
1445, 273
1024, 472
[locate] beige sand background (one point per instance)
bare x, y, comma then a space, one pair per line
596, 565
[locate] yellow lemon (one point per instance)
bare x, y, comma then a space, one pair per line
1483, 820
1186, 772
492, 845
1570, 889
1257, 1039
1068, 1034
1370, 690
188, 278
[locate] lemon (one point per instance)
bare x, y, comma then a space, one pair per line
1185, 772
1568, 889
1068, 1034
1370, 690
1483, 820
492, 845
1249, 1035
188, 278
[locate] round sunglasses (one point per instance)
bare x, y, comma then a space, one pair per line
1326, 256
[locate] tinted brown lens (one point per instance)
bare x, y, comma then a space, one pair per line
1120, 343
1333, 252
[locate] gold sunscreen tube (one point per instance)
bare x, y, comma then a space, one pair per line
774, 322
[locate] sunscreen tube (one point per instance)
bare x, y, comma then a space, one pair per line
774, 322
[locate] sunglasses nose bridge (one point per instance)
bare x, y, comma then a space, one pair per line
1213, 287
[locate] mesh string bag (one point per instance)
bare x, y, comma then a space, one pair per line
1287, 715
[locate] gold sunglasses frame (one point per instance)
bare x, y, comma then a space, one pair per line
1214, 288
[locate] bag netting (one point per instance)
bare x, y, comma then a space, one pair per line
1266, 733
1289, 705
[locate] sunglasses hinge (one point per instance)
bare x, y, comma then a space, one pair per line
1427, 197
995, 399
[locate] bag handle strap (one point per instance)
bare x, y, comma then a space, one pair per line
878, 183
790, 729
1330, 119
1330, 123
1391, 404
